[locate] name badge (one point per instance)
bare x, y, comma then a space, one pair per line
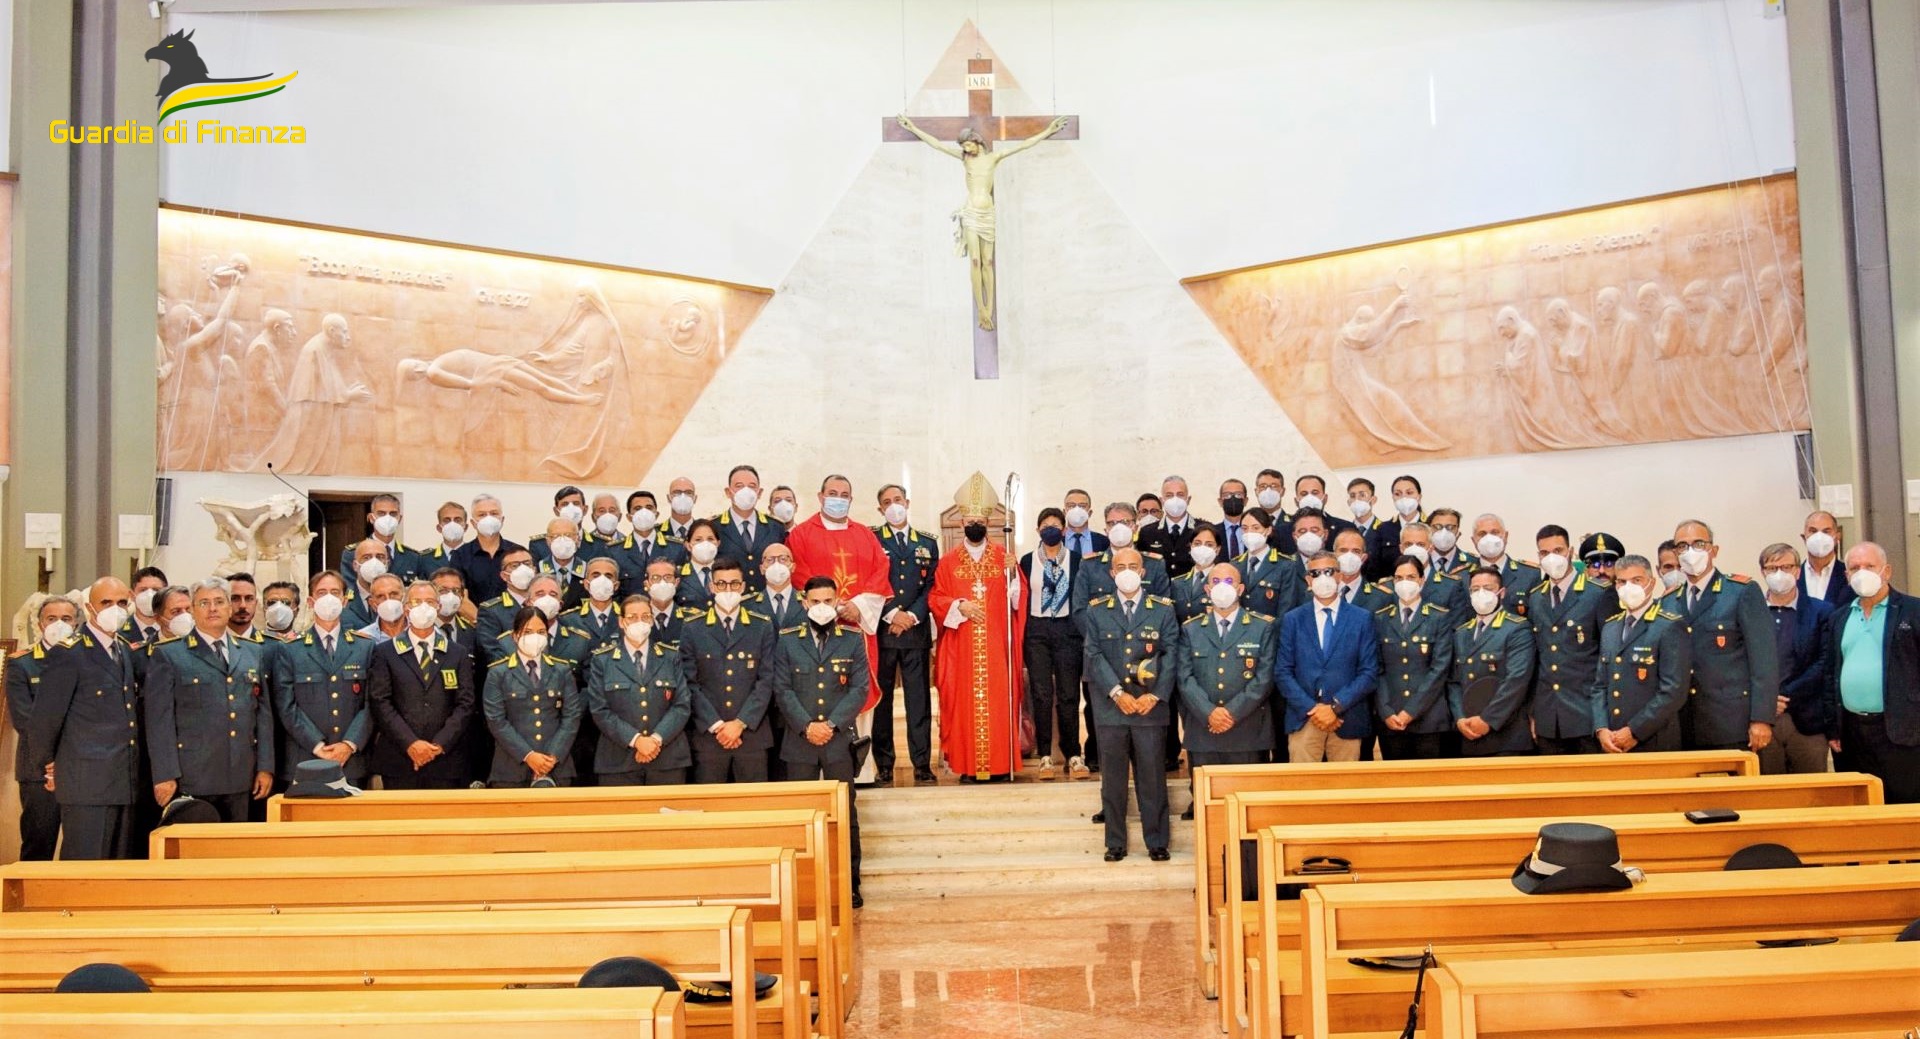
450, 679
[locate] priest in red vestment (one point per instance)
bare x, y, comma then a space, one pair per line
829, 543
977, 599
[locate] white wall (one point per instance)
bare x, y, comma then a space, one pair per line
6, 85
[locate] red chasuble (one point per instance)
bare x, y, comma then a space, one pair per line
859, 567
972, 668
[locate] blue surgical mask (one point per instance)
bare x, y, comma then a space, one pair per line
836, 508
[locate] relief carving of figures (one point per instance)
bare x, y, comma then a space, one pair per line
192, 375
325, 384
1374, 404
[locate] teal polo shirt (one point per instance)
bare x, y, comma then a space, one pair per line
1863, 660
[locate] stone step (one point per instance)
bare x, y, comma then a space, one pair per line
994, 806
895, 877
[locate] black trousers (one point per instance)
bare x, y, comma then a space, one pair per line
39, 821
1419, 746
909, 666
1053, 649
1869, 750
492, 785
232, 807
835, 767
645, 777
411, 780
96, 831
1552, 745
716, 764
1140, 749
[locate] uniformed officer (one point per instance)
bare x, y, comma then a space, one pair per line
421, 689
1168, 539
209, 725
496, 615
1497, 645
532, 708
596, 619
563, 560
1646, 665
1736, 666
570, 504
725, 652
820, 682
280, 607
663, 580
383, 525
782, 602
84, 733
681, 496
1131, 637
243, 602
1600, 552
628, 551
320, 690
143, 625
1442, 588
56, 618
1098, 574
1271, 580
1416, 662
451, 525
639, 697
1351, 552
905, 638
1190, 589
370, 562
744, 532
1226, 677
695, 590
651, 536
1449, 555
1516, 577
1566, 609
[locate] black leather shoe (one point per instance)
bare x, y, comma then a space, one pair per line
884, 778
924, 777
1099, 817
858, 901
1188, 814
1115, 856
1159, 854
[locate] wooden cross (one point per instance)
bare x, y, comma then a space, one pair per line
980, 118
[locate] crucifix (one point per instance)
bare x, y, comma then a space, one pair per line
973, 137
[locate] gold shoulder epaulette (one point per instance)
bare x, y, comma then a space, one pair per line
1435, 606
795, 630
1103, 600
1467, 625
70, 642
496, 663
166, 640
1161, 599
608, 648
1386, 610
1268, 617
1616, 616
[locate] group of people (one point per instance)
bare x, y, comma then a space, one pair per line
625, 646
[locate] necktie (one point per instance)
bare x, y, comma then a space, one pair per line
1223, 627
1406, 615
327, 642
1128, 603
1233, 540
1626, 630
729, 625
706, 578
1479, 630
746, 531
220, 650
152, 633
420, 653
533, 671
1326, 622
779, 605
1693, 597
1556, 597
1352, 588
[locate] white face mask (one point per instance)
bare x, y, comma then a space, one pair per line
1120, 535
1820, 543
180, 624
563, 548
489, 525
822, 613
1673, 578
1128, 581
1325, 586
607, 523
423, 615
783, 510
1078, 516
1484, 602
386, 526
778, 574
1255, 541
661, 592
638, 631
1695, 561
111, 619
546, 604
644, 520
1491, 545
391, 610
600, 587
745, 499
1203, 555
1312, 501
727, 601
279, 616
1554, 565
897, 514
1407, 506
531, 645
681, 504
1418, 552
1223, 596
520, 577
572, 513
1407, 589
371, 568
449, 604
1444, 539
327, 608
1362, 508
703, 551
1632, 596
1309, 543
452, 533
1174, 506
1350, 563
144, 602
1780, 582
1269, 498
1865, 583
836, 508
56, 632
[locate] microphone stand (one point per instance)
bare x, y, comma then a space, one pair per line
1008, 578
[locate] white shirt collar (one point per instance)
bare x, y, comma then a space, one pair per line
105, 638
976, 551
833, 524
1136, 598
1229, 618
210, 639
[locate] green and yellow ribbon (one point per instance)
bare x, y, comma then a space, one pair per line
201, 94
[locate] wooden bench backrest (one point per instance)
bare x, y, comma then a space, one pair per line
1828, 991
624, 1013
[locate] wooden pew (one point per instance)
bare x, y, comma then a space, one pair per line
630, 1013
827, 796
761, 879
1491, 919
1831, 991
804, 830
1247, 813
356, 951
1212, 784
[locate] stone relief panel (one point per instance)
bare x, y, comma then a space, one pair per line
326, 352
1671, 318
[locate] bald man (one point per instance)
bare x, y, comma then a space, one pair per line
1873, 676
84, 734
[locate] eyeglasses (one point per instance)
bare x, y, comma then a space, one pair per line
1455, 527
1325, 571
729, 586
1703, 545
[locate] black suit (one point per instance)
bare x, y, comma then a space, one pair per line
767, 531
912, 556
1170, 543
730, 680
1886, 743
39, 809
434, 703
86, 723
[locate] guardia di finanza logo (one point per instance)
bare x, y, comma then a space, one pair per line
188, 84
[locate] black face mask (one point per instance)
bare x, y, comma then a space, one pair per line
1233, 505
976, 532
1051, 536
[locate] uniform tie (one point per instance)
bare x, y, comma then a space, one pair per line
1128, 604
706, 578
779, 604
220, 650
533, 671
326, 641
1555, 596
1406, 615
728, 623
1224, 625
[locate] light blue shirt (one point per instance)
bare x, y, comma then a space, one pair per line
1863, 660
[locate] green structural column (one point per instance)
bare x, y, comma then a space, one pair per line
1896, 59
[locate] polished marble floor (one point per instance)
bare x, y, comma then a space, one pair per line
1104, 965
